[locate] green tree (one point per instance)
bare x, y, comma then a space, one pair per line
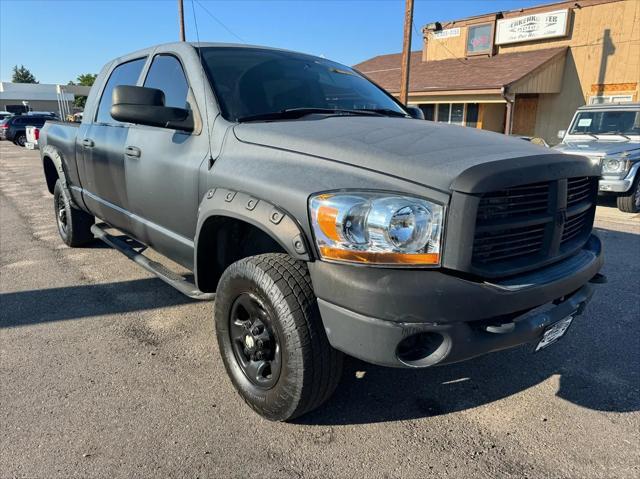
86, 79
22, 75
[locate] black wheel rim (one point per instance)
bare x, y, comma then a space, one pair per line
61, 214
254, 342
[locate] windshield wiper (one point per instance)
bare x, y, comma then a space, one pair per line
585, 133
293, 113
385, 112
616, 133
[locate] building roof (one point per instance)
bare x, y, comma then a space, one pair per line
475, 73
39, 91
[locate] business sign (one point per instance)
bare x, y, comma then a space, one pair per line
532, 27
448, 33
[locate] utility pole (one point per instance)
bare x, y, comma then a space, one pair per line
406, 52
181, 19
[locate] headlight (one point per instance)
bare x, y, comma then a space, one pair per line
614, 165
377, 228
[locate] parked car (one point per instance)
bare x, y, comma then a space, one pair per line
609, 134
33, 135
322, 216
14, 128
5, 114
49, 114
3, 129
536, 140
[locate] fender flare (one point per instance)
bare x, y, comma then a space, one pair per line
54, 155
272, 220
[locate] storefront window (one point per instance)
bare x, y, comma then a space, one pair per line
457, 113
429, 111
597, 100
445, 112
444, 109
472, 115
480, 39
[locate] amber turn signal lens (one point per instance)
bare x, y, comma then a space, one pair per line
327, 216
379, 258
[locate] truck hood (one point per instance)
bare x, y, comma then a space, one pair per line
599, 148
432, 154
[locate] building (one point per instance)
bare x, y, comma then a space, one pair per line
15, 97
522, 72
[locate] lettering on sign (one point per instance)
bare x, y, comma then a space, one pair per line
448, 33
532, 27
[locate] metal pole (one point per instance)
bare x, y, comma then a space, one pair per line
406, 52
181, 19
59, 103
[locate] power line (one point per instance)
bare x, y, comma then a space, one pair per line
219, 22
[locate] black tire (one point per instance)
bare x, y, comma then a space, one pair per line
74, 225
21, 139
630, 202
309, 369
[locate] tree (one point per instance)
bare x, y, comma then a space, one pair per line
22, 75
85, 79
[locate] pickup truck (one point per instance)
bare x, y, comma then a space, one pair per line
33, 135
609, 134
323, 216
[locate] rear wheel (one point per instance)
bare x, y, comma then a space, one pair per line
630, 201
21, 139
74, 225
271, 337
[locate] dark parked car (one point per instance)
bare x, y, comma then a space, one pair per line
323, 216
14, 128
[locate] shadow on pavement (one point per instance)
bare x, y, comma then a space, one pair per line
597, 363
79, 302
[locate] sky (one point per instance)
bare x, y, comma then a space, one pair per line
59, 40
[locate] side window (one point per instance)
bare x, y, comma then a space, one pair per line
166, 74
125, 74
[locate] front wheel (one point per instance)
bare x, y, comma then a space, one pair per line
271, 337
21, 139
630, 201
74, 225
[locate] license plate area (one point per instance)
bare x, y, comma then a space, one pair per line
555, 331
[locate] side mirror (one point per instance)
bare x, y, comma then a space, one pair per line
145, 106
415, 112
561, 134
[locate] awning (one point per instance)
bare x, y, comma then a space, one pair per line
536, 71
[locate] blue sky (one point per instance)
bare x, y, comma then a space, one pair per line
58, 40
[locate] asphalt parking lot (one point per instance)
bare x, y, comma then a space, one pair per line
106, 371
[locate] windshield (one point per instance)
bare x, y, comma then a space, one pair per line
253, 81
612, 122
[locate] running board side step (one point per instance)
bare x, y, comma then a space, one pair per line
180, 283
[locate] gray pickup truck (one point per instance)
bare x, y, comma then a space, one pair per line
323, 215
609, 134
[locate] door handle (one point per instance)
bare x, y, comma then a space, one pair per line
132, 151
88, 142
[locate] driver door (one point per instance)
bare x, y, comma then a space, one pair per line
162, 169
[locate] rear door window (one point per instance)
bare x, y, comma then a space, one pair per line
124, 74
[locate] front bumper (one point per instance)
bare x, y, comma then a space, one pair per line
615, 186
368, 312
619, 185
